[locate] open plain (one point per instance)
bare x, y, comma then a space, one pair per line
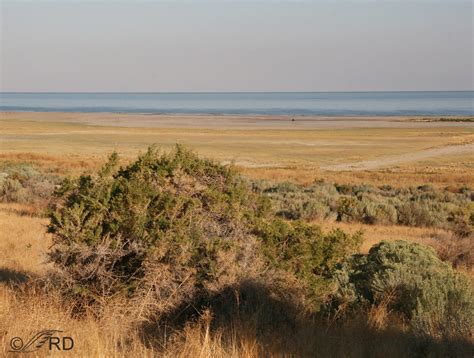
393, 152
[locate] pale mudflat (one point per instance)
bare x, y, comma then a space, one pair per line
390, 150
465, 149
137, 120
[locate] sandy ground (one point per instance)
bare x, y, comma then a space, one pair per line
230, 121
403, 158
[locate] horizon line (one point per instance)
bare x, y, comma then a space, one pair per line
220, 92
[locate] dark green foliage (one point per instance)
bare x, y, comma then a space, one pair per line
169, 226
306, 251
437, 300
172, 211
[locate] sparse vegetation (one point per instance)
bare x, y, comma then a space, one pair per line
423, 206
459, 250
23, 183
446, 119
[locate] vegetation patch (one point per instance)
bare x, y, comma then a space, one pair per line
170, 227
410, 280
25, 184
423, 206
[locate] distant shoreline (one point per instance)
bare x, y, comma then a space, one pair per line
301, 104
137, 120
427, 117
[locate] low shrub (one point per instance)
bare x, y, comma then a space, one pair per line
424, 206
416, 213
462, 220
459, 251
23, 183
435, 299
349, 209
309, 210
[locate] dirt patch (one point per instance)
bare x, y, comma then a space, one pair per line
403, 158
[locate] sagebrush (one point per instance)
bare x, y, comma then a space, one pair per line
412, 281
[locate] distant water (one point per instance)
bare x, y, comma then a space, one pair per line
291, 103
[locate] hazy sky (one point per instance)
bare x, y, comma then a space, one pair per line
356, 45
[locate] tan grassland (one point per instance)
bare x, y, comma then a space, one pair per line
392, 150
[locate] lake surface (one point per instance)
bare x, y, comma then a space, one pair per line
271, 103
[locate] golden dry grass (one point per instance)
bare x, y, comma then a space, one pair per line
438, 176
23, 244
23, 239
373, 234
397, 177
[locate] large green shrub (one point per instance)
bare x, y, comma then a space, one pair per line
170, 226
437, 300
173, 216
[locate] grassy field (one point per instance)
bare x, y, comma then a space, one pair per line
272, 149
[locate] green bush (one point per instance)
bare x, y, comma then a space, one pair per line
172, 226
306, 252
416, 214
437, 300
172, 216
294, 209
349, 209
375, 211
